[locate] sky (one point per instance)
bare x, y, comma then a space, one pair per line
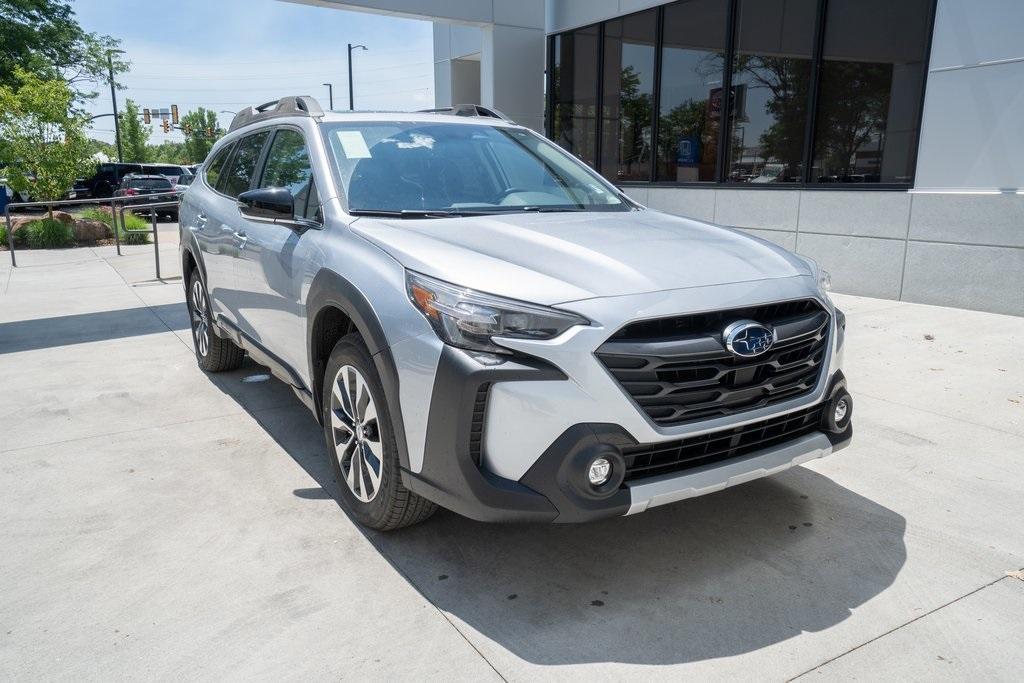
227, 54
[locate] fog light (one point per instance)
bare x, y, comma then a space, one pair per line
599, 471
840, 411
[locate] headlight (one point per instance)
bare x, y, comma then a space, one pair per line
468, 319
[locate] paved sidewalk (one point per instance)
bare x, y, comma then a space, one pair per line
159, 522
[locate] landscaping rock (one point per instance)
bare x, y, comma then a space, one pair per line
90, 231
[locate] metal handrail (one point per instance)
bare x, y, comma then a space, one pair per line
113, 202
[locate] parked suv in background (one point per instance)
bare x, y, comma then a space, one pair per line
108, 177
149, 189
479, 321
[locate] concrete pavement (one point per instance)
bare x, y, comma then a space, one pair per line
158, 522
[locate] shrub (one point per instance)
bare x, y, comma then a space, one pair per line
132, 221
3, 236
48, 234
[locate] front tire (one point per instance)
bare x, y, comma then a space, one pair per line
213, 353
361, 442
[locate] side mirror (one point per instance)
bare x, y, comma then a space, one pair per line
268, 203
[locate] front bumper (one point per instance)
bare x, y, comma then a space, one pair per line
455, 475
504, 440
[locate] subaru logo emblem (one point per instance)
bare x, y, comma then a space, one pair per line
746, 338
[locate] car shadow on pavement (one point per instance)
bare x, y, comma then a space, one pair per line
710, 577
83, 328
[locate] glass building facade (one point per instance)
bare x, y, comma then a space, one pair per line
797, 93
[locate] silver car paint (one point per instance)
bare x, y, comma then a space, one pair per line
612, 267
551, 258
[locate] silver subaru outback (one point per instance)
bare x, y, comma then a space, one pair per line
479, 321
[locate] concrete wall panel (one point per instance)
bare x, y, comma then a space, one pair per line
972, 219
986, 278
699, 204
859, 265
864, 214
757, 209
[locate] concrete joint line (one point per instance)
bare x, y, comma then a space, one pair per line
897, 628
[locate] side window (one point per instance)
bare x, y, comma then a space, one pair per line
288, 167
313, 205
238, 176
216, 165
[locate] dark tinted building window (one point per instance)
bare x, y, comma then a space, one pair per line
238, 176
288, 167
818, 91
693, 61
628, 96
869, 97
574, 92
771, 82
216, 165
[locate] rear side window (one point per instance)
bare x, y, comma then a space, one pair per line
288, 167
216, 165
151, 184
238, 176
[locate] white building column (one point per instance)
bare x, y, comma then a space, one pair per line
504, 67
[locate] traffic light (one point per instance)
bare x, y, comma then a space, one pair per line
166, 126
174, 114
187, 128
146, 116
209, 132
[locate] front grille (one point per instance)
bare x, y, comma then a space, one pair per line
674, 456
476, 430
679, 371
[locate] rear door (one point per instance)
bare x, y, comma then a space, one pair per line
227, 227
269, 270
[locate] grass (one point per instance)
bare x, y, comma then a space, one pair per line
132, 222
48, 234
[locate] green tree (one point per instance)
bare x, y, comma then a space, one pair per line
43, 37
134, 134
201, 131
99, 146
45, 147
169, 152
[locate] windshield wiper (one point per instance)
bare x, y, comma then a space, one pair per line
414, 213
551, 209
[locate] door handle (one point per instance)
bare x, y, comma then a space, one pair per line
241, 237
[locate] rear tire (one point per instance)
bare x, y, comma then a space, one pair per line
213, 353
361, 442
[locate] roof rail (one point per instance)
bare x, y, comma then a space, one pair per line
294, 105
468, 110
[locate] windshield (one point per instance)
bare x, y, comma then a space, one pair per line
449, 168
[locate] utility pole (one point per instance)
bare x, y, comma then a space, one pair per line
351, 104
330, 96
113, 98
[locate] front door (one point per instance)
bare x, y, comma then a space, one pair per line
270, 266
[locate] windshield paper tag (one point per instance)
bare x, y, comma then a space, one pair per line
353, 144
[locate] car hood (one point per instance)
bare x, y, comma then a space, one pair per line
552, 258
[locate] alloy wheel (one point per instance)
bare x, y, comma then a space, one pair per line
200, 318
357, 437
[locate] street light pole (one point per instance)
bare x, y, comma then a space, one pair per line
330, 96
113, 98
351, 103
